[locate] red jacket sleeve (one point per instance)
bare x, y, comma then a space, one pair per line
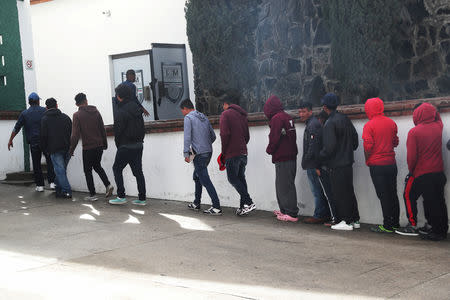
395, 141
274, 136
367, 137
411, 149
224, 132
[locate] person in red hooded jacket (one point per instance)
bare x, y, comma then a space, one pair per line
426, 176
380, 138
283, 148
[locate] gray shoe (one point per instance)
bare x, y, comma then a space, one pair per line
91, 198
109, 191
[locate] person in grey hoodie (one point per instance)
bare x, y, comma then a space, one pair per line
198, 138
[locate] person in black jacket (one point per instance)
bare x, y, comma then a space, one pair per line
56, 128
129, 138
340, 139
318, 179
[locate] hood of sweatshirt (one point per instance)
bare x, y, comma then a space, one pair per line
53, 112
238, 109
198, 115
425, 113
88, 108
272, 106
374, 107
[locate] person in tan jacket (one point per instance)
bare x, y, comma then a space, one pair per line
88, 124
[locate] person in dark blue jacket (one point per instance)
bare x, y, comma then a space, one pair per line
131, 78
30, 119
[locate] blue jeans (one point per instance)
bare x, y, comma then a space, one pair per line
133, 157
60, 161
236, 177
322, 207
201, 178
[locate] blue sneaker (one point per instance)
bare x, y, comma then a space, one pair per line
139, 202
118, 201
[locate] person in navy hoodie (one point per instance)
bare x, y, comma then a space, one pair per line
283, 148
380, 138
30, 119
426, 175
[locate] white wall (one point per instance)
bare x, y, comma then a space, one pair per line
73, 41
12, 161
169, 177
26, 38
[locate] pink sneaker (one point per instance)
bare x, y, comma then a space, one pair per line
287, 218
277, 213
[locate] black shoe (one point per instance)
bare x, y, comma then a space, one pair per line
426, 229
431, 236
409, 230
194, 207
64, 195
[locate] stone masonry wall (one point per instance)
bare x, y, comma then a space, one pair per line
293, 55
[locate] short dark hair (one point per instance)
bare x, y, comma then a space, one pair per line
50, 103
80, 98
306, 105
232, 99
187, 104
33, 102
322, 115
417, 105
130, 72
123, 91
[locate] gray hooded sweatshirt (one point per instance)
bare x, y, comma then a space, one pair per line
198, 133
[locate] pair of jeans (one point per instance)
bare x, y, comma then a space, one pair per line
236, 177
201, 178
133, 156
36, 155
384, 179
321, 204
60, 161
344, 194
431, 187
285, 172
92, 160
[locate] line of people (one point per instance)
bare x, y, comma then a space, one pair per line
329, 142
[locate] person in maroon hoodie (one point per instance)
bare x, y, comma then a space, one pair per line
88, 124
426, 176
283, 148
380, 138
235, 135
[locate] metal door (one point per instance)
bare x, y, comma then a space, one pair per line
170, 79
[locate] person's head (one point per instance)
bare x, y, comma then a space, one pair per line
51, 103
330, 102
229, 100
123, 92
80, 99
131, 75
33, 99
305, 111
322, 117
186, 106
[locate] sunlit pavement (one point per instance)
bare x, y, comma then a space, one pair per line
73, 249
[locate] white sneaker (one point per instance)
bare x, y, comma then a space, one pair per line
356, 225
39, 189
342, 226
52, 185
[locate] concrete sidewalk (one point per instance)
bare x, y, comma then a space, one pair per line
72, 249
